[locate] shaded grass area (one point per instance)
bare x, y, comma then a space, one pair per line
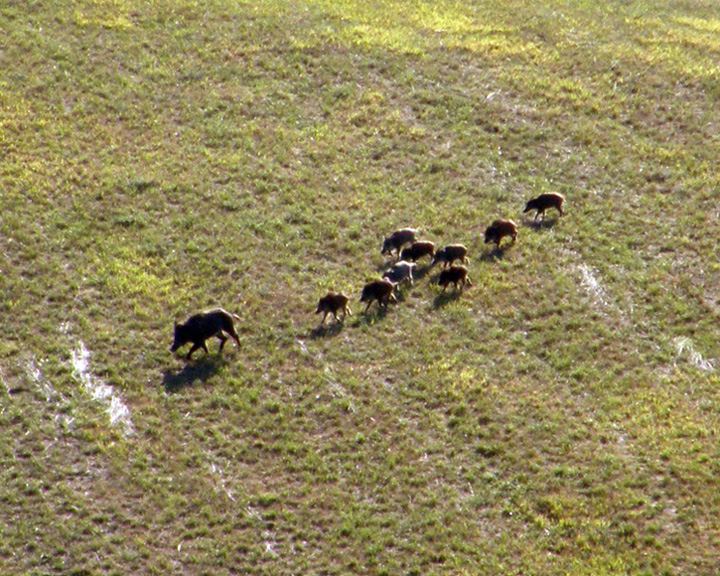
559, 416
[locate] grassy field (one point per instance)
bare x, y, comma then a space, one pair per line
560, 416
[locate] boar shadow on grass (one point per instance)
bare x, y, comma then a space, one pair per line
420, 273
326, 330
445, 298
497, 253
176, 380
373, 315
544, 224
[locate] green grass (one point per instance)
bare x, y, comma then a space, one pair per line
558, 417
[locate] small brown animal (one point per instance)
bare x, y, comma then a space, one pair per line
333, 303
418, 250
397, 240
380, 291
449, 254
543, 202
499, 229
454, 275
202, 326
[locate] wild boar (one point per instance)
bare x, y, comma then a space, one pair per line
333, 303
454, 275
543, 202
449, 254
418, 250
380, 291
400, 272
397, 240
499, 229
200, 327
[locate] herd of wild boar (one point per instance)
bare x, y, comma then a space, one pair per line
219, 323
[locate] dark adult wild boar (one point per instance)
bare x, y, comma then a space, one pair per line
418, 250
332, 304
449, 254
499, 229
397, 240
454, 275
380, 291
543, 202
200, 327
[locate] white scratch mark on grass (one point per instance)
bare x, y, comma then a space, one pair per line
215, 470
268, 535
34, 372
303, 347
685, 347
270, 544
592, 285
99, 391
253, 513
33, 369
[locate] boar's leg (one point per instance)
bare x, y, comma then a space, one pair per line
195, 347
222, 338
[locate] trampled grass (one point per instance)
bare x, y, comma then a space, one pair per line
558, 417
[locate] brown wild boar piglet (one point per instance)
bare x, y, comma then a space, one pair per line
449, 254
454, 275
380, 291
200, 327
333, 303
543, 202
397, 240
499, 229
418, 250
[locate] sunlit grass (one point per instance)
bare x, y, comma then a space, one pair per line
556, 417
